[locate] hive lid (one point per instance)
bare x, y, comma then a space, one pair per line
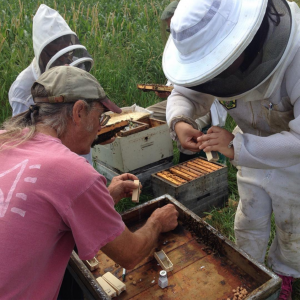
132, 113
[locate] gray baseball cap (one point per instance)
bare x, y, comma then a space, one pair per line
169, 10
69, 84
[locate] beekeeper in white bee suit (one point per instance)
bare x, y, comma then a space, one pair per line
246, 54
217, 114
54, 44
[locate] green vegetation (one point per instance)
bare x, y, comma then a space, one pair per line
123, 37
125, 41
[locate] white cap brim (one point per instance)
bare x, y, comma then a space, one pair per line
219, 55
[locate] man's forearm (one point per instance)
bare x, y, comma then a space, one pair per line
129, 248
147, 237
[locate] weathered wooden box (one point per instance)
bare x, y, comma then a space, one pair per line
137, 150
206, 264
209, 189
143, 173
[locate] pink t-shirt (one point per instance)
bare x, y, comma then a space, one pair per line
50, 199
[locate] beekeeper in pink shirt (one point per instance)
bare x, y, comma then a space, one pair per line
51, 198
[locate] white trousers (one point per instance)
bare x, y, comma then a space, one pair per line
261, 193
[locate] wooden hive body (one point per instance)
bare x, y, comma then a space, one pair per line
206, 265
137, 150
198, 184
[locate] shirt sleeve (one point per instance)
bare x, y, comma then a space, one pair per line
280, 150
93, 220
188, 103
19, 94
18, 107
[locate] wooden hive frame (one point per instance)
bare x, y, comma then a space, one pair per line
197, 183
188, 171
155, 87
140, 127
109, 131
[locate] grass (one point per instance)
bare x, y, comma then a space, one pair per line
125, 41
223, 219
123, 38
127, 203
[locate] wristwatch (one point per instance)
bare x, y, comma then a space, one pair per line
230, 145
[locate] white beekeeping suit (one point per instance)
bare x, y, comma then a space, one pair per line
262, 96
54, 44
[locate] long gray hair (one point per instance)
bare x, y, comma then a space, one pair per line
54, 115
